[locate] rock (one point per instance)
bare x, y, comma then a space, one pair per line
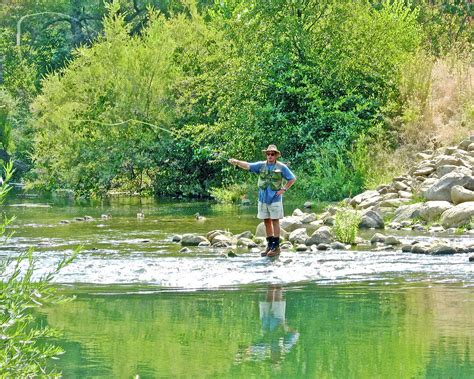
88, 218
418, 227
221, 244
298, 213
362, 197
290, 223
448, 160
204, 244
391, 240
79, 219
298, 236
377, 237
406, 212
458, 215
247, 234
424, 171
260, 241
215, 233
231, 254
369, 202
432, 210
395, 225
460, 195
338, 246
185, 250
254, 250
446, 169
301, 247
465, 144
424, 155
64, 222
308, 218
436, 229
441, 249
221, 238
394, 203
260, 231
321, 236
407, 248
471, 258
308, 204
420, 249
105, 217
245, 202
322, 246
176, 238
405, 194
192, 240
441, 190
246, 242
390, 196
371, 219
470, 147
329, 220
286, 245
401, 186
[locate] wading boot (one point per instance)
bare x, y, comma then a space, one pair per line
275, 251
269, 247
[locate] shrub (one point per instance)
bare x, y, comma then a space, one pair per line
346, 225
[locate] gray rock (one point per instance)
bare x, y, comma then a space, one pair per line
441, 249
424, 171
362, 197
420, 249
395, 225
401, 186
432, 210
369, 202
471, 258
338, 246
260, 231
214, 233
322, 246
308, 204
390, 195
286, 245
407, 248
192, 240
321, 236
221, 244
470, 147
371, 219
176, 238
185, 250
301, 247
458, 215
436, 229
460, 195
247, 234
231, 254
405, 194
441, 190
393, 203
298, 236
298, 213
308, 218
290, 223
377, 237
221, 238
464, 145
391, 240
254, 250
64, 222
406, 212
246, 242
446, 169
204, 244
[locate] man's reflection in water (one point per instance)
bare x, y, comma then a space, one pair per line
278, 338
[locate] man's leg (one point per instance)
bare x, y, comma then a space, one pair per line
275, 251
269, 231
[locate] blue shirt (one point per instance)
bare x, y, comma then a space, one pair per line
267, 195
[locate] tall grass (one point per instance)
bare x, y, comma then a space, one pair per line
346, 224
23, 350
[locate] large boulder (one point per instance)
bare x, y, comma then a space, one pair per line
441, 189
356, 200
432, 210
371, 219
460, 195
290, 223
458, 215
192, 240
298, 236
321, 236
406, 212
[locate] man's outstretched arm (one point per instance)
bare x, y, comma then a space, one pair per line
241, 164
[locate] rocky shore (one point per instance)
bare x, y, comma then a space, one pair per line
435, 198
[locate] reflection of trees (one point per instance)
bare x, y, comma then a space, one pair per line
344, 332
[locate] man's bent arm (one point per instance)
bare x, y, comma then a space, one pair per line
241, 164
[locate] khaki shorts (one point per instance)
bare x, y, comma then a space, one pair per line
273, 210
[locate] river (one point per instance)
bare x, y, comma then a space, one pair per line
143, 308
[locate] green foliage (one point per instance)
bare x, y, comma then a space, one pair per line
346, 224
23, 351
7, 114
231, 194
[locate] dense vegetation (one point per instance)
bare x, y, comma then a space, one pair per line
154, 96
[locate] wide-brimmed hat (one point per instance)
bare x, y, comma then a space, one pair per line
271, 148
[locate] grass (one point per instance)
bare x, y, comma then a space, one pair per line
346, 225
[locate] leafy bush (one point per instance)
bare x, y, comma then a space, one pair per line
231, 194
23, 351
346, 224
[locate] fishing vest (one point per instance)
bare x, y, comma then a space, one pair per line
270, 178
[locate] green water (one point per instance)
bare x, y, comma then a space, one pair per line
356, 331
144, 309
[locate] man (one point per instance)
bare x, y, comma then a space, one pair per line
271, 187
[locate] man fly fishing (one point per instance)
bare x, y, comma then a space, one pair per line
274, 178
